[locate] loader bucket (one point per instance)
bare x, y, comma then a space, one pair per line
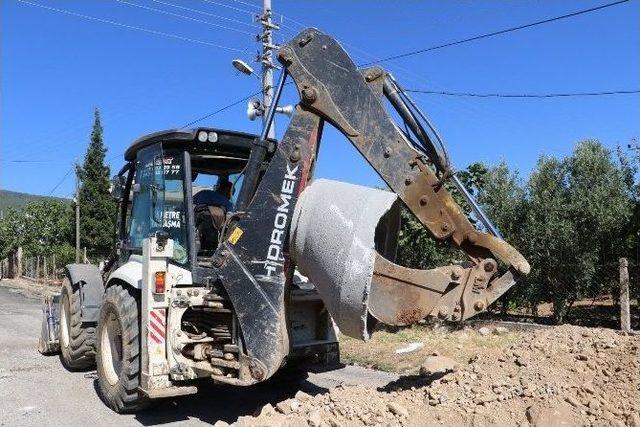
337, 229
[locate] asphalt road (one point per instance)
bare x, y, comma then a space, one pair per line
37, 391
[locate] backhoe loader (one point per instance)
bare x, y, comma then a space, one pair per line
234, 291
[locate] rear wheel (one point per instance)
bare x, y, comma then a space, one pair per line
118, 351
77, 341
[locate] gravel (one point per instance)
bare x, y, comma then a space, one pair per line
560, 376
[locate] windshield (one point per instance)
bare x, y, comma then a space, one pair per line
158, 201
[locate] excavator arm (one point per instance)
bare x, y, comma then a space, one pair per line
331, 86
275, 227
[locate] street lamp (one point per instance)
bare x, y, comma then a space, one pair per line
242, 67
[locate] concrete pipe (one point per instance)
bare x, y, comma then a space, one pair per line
335, 232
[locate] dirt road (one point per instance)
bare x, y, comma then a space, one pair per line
36, 390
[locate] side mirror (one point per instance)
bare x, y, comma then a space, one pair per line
116, 189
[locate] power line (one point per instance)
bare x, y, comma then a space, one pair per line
226, 107
26, 161
213, 15
177, 15
62, 180
71, 169
229, 7
247, 4
513, 95
496, 33
131, 27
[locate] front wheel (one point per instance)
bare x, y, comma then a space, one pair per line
118, 351
77, 340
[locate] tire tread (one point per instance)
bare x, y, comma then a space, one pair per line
124, 396
81, 353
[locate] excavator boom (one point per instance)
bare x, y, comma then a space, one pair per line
328, 229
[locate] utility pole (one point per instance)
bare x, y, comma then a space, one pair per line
77, 214
266, 59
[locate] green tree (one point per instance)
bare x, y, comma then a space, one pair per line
42, 227
634, 168
549, 237
601, 206
577, 222
97, 208
502, 196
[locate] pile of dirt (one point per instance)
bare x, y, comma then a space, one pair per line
565, 375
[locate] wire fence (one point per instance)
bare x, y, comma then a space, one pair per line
610, 299
46, 269
42, 269
598, 297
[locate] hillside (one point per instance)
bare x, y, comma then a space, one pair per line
17, 200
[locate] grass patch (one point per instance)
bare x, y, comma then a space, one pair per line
380, 351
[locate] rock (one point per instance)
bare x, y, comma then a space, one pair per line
315, 419
500, 330
484, 331
277, 420
296, 421
572, 401
559, 415
522, 361
588, 387
28, 410
397, 409
487, 398
593, 404
265, 411
582, 357
302, 396
410, 347
284, 407
438, 365
221, 423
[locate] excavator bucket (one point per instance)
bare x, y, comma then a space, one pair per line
344, 238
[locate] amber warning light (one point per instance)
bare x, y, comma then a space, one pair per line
160, 282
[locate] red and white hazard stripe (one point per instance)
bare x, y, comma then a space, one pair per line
157, 325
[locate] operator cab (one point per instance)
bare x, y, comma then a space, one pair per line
183, 182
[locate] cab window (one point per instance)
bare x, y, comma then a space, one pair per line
158, 200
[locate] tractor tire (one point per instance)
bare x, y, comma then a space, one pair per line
77, 341
118, 351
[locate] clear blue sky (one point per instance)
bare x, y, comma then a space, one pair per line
56, 68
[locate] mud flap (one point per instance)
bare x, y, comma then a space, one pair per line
49, 342
336, 229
